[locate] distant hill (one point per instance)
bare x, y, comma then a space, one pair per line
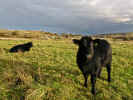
27, 34
48, 35
34, 34
118, 36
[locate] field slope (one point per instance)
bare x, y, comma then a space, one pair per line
49, 72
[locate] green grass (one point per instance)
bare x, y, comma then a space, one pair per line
49, 72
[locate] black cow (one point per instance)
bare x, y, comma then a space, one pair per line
92, 55
21, 47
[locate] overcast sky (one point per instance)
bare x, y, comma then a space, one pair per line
68, 15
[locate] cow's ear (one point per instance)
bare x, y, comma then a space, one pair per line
76, 41
96, 42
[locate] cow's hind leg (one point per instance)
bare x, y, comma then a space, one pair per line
109, 72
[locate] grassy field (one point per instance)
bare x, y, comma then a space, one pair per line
49, 72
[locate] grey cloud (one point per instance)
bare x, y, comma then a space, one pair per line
68, 15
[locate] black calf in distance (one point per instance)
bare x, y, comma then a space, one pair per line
21, 47
92, 55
